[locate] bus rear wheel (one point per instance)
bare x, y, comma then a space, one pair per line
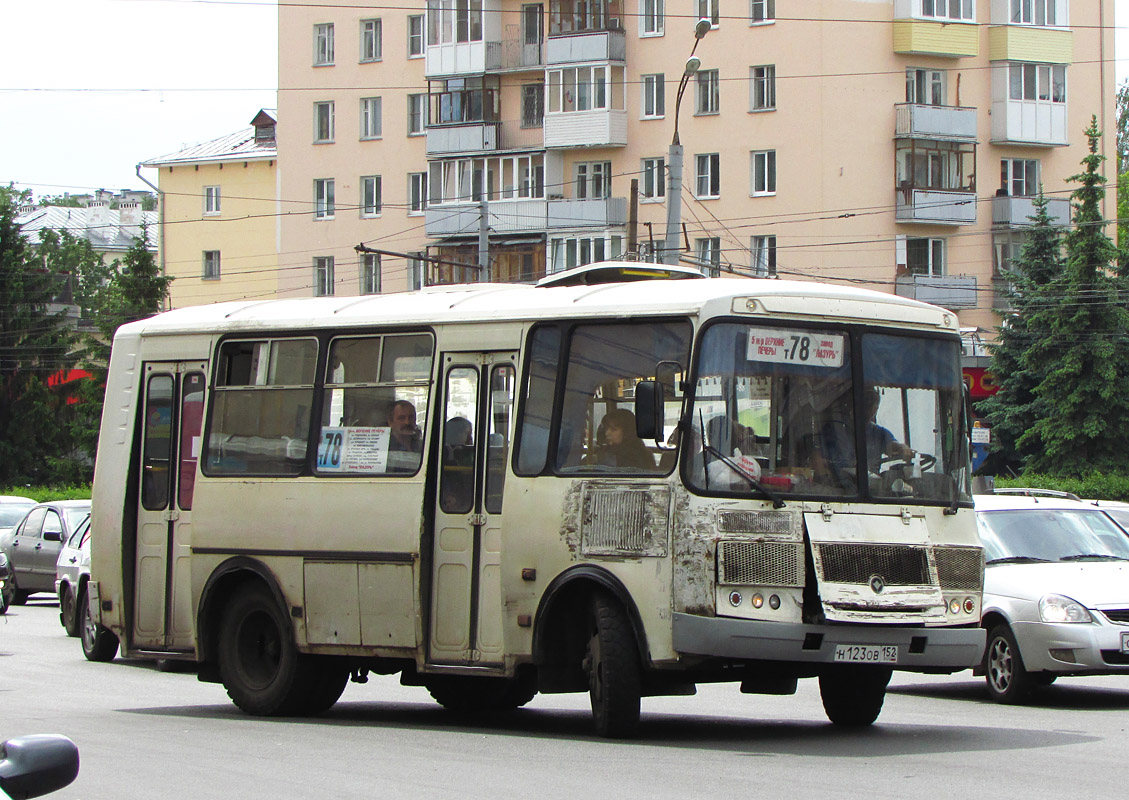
614, 674
466, 695
260, 666
853, 695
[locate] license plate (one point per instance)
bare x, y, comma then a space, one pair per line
879, 654
1125, 642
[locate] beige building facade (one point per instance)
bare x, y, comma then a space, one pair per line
895, 144
219, 217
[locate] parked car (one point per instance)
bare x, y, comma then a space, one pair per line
13, 509
1056, 592
5, 573
33, 546
72, 571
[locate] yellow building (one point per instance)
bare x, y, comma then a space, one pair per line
219, 216
892, 143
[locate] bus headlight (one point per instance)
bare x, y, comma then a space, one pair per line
1057, 608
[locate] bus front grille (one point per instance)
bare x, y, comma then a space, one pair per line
760, 563
960, 568
897, 565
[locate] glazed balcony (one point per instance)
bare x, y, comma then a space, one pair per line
949, 291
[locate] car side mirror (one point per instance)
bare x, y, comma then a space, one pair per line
649, 410
34, 765
52, 536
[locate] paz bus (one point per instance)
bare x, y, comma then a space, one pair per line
625, 480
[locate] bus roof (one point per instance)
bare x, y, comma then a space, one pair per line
484, 302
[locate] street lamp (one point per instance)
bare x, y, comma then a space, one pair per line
674, 154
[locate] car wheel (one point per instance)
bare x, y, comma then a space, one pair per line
16, 596
853, 695
4, 599
98, 642
68, 612
260, 666
1008, 681
612, 666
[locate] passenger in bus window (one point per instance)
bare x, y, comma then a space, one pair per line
622, 447
405, 437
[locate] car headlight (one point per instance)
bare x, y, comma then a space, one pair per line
1057, 608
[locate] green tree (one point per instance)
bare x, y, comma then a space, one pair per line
1013, 410
1081, 352
35, 343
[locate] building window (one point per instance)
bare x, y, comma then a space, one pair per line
762, 85
370, 273
324, 205
762, 251
417, 192
450, 21
370, 118
651, 18
468, 180
1019, 177
415, 35
654, 178
323, 276
417, 114
949, 9
1041, 82
370, 195
762, 11
654, 96
708, 175
708, 251
709, 92
532, 105
1006, 247
925, 86
323, 122
593, 180
585, 89
928, 164
764, 172
370, 40
211, 199
211, 265
711, 10
925, 257
567, 252
323, 44
1037, 12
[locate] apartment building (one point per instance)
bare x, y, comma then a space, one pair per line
892, 143
219, 216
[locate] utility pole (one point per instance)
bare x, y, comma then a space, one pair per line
483, 240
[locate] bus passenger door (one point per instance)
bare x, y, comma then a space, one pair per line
466, 591
170, 447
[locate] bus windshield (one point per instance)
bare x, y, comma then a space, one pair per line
784, 411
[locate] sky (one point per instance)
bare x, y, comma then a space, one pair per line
91, 88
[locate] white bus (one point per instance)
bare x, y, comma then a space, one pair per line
608, 482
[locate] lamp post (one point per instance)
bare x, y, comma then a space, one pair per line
674, 154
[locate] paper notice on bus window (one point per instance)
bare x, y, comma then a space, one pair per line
353, 450
806, 348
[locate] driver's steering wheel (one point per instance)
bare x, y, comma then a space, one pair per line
927, 460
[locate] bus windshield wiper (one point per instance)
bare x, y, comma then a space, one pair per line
1093, 557
777, 501
1019, 560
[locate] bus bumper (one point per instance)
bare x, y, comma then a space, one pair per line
918, 649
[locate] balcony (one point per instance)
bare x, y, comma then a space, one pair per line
525, 216
597, 128
952, 123
1028, 122
936, 207
1015, 212
950, 291
586, 46
484, 137
519, 49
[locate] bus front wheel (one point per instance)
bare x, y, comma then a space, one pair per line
853, 695
260, 666
612, 665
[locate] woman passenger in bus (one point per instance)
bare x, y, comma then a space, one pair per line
621, 446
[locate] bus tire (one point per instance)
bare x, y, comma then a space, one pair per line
260, 666
328, 681
98, 642
853, 695
68, 612
466, 695
612, 666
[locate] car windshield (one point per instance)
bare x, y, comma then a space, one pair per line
76, 515
800, 402
1050, 535
10, 515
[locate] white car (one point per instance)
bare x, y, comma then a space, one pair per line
1056, 592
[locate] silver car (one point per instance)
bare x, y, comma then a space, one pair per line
1056, 592
33, 546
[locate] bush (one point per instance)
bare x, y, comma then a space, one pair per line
43, 494
1094, 486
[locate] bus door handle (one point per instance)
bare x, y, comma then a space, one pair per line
476, 519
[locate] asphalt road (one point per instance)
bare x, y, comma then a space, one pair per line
149, 734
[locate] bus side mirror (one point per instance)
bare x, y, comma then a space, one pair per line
649, 410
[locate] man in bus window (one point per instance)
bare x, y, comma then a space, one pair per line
838, 439
406, 437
